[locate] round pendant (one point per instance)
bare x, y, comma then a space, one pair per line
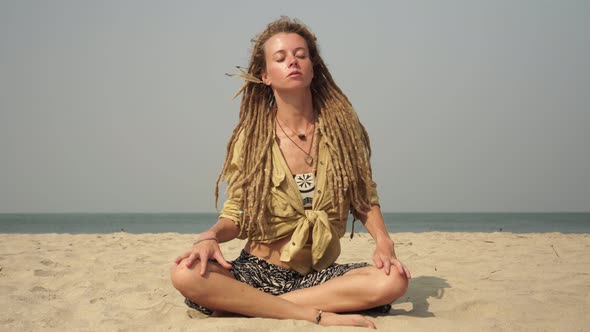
309, 160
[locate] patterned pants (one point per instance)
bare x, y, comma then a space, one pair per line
275, 280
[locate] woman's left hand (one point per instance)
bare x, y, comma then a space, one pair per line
384, 258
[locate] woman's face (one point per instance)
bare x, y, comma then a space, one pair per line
288, 65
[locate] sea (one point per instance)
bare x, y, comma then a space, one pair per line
190, 223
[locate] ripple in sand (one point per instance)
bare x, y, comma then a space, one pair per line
49, 262
96, 299
43, 293
43, 273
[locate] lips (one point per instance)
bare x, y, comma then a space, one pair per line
294, 73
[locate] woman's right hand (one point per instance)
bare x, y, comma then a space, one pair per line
203, 250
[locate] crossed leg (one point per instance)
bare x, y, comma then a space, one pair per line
358, 289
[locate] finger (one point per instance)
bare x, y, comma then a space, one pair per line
400, 268
204, 261
378, 262
403, 270
190, 260
387, 266
408, 274
221, 260
181, 257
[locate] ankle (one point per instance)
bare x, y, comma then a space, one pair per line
318, 318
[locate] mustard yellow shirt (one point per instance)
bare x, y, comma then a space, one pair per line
287, 215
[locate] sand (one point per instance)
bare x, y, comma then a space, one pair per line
462, 281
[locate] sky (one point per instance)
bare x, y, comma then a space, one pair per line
124, 106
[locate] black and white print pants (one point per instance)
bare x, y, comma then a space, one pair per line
275, 280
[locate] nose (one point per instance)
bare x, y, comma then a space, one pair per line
293, 62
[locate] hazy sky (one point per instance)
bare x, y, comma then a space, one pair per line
123, 106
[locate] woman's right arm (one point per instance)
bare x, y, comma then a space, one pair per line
207, 245
227, 227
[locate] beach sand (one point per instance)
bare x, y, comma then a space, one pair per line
461, 281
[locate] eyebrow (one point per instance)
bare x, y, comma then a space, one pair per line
283, 51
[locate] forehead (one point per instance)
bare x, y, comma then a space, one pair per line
284, 42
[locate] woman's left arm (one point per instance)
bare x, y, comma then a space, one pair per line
384, 256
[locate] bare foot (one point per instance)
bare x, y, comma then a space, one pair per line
332, 319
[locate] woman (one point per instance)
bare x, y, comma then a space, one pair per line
297, 163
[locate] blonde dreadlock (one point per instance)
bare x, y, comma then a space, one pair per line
347, 139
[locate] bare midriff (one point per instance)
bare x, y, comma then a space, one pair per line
271, 252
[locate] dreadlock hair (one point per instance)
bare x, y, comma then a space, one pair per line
346, 138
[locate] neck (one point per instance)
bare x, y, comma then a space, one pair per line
295, 109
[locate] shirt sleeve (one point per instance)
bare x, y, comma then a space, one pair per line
372, 199
373, 194
232, 205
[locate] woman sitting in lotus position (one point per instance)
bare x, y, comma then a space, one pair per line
297, 162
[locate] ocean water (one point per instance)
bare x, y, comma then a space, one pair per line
89, 223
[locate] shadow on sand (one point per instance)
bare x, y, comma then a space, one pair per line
420, 290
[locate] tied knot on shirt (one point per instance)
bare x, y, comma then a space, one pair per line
314, 215
318, 223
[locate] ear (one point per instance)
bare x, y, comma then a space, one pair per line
265, 78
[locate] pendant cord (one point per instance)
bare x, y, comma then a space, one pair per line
308, 158
302, 137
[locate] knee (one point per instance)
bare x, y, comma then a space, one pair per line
389, 287
185, 279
